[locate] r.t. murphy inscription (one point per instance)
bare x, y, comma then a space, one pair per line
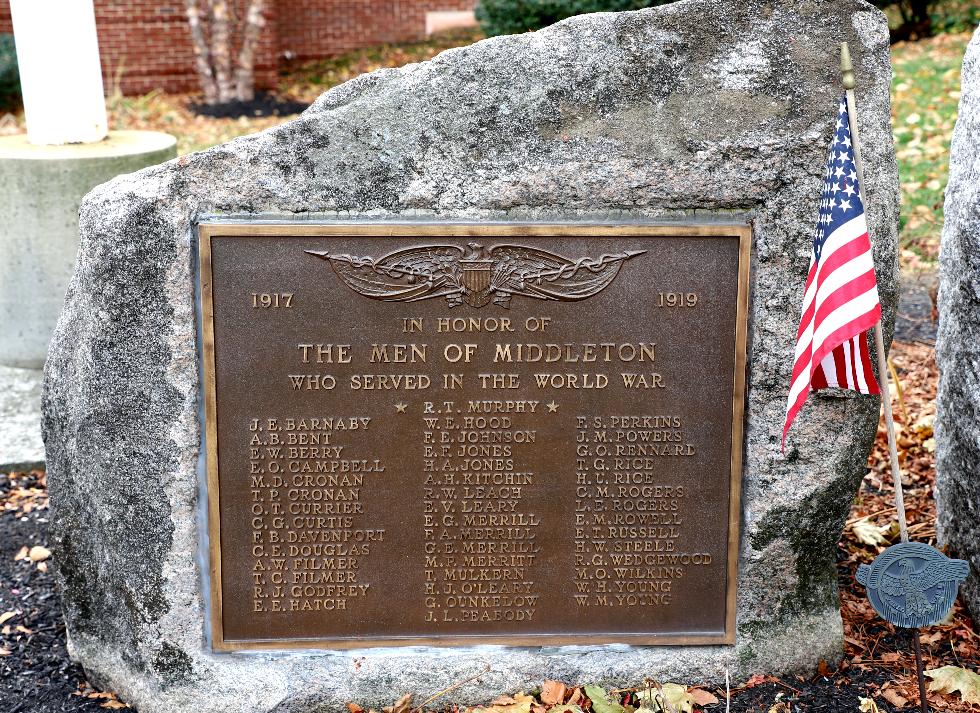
476, 275
389, 470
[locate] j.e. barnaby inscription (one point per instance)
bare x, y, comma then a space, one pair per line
549, 454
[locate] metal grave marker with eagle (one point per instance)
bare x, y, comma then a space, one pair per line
912, 584
476, 275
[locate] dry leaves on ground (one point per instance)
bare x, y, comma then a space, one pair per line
109, 699
26, 492
953, 679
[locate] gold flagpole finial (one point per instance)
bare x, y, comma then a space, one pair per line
846, 68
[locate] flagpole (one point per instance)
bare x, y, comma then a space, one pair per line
847, 72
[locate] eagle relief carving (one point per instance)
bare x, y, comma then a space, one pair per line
476, 275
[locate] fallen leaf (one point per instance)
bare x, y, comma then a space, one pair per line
890, 657
22, 554
7, 616
950, 679
502, 700
702, 697
894, 697
520, 703
42, 566
678, 697
114, 704
39, 553
551, 691
566, 708
4, 652
867, 705
402, 705
354, 708
601, 702
869, 533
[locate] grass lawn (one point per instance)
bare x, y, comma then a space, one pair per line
925, 94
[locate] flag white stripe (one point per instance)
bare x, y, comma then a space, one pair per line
859, 364
829, 370
848, 364
846, 273
846, 313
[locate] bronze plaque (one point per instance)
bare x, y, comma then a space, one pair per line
456, 434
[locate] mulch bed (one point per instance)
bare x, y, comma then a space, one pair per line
264, 104
37, 677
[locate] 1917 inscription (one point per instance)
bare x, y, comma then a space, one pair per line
453, 434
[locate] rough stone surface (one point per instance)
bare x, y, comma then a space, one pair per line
958, 341
698, 109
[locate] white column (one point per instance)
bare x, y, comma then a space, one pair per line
60, 70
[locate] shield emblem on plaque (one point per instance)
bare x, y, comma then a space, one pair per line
475, 279
476, 274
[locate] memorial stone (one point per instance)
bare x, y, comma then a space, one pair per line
957, 351
492, 349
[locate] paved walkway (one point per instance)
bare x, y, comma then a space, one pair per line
915, 322
20, 419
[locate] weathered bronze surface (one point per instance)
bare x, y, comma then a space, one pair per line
455, 434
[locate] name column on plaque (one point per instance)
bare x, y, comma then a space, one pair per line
309, 528
480, 539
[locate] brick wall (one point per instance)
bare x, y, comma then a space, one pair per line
310, 29
145, 44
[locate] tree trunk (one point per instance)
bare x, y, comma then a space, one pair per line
202, 53
221, 49
245, 71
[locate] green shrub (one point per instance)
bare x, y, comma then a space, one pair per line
956, 16
9, 76
507, 17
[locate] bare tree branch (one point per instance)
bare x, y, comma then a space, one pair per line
221, 49
202, 52
245, 71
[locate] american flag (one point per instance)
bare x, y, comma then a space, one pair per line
840, 301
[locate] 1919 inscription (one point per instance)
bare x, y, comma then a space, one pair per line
453, 434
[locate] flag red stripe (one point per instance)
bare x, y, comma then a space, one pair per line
844, 254
840, 297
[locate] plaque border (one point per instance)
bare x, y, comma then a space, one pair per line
266, 227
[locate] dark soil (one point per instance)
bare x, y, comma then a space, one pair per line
264, 104
824, 694
36, 676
